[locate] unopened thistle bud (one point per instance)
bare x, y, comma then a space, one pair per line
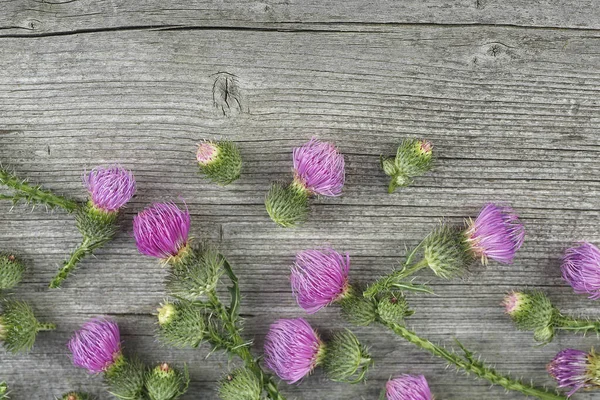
11, 271
575, 369
181, 324
413, 158
345, 359
408, 387
531, 311
359, 310
19, 326
166, 383
446, 252
197, 273
3, 391
319, 170
581, 269
221, 162
77, 396
393, 308
240, 384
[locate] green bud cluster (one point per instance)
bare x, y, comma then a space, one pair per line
11, 271
413, 158
240, 384
19, 326
166, 383
77, 396
359, 310
392, 307
345, 359
447, 252
182, 324
385, 306
287, 205
226, 166
126, 378
195, 274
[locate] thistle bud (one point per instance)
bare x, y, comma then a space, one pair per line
221, 162
393, 308
166, 383
240, 384
11, 271
531, 311
413, 158
359, 310
76, 396
287, 205
19, 326
3, 391
446, 252
181, 324
196, 274
575, 369
345, 359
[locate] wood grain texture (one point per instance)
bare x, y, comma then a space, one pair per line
512, 112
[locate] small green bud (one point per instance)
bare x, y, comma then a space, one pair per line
77, 396
166, 383
19, 327
181, 324
544, 335
287, 205
532, 311
95, 224
196, 274
393, 308
3, 391
413, 158
11, 271
358, 310
240, 384
125, 378
345, 359
221, 162
447, 252
389, 166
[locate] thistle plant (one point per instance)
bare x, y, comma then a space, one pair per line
581, 269
240, 384
408, 387
575, 370
293, 349
197, 314
221, 162
413, 158
19, 326
11, 271
318, 171
77, 396
532, 310
164, 382
449, 251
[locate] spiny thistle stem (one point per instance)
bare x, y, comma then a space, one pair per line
45, 327
85, 248
568, 323
394, 280
469, 365
34, 194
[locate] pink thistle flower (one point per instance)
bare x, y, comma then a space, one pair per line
319, 278
292, 349
575, 369
96, 346
110, 188
581, 269
161, 230
319, 167
207, 152
408, 387
497, 233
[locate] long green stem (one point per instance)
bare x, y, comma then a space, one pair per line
468, 364
34, 194
394, 281
85, 248
568, 323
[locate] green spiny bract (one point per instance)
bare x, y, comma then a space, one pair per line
182, 324
221, 162
532, 311
77, 396
357, 309
240, 384
166, 383
195, 274
413, 158
19, 327
125, 379
345, 359
446, 252
287, 205
11, 271
393, 307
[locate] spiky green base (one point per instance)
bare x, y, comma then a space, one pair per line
196, 273
226, 167
410, 162
183, 324
11, 271
166, 383
240, 384
345, 359
287, 205
19, 326
125, 379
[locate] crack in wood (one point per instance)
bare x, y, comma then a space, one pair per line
226, 94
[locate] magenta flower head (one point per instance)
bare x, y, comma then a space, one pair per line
292, 349
110, 188
408, 387
161, 230
319, 277
319, 168
497, 233
581, 269
96, 346
575, 369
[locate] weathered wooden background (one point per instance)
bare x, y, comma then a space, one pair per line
506, 90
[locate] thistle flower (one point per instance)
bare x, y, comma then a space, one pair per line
319, 277
11, 271
532, 311
181, 324
110, 188
166, 383
413, 158
581, 269
77, 396
496, 233
96, 346
240, 384
292, 349
19, 326
575, 369
161, 230
221, 162
408, 387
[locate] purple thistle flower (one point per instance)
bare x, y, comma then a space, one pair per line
110, 188
161, 230
497, 233
207, 152
319, 168
575, 369
319, 278
96, 346
292, 349
581, 269
408, 387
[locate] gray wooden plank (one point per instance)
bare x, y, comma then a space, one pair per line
513, 114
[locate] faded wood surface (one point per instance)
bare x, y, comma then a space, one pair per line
512, 111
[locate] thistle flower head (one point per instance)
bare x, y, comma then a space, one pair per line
581, 269
240, 384
110, 188
345, 359
161, 230
11, 271
181, 324
446, 252
292, 349
97, 345
408, 387
575, 369
496, 233
164, 382
319, 168
319, 277
531, 311
207, 153
221, 161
